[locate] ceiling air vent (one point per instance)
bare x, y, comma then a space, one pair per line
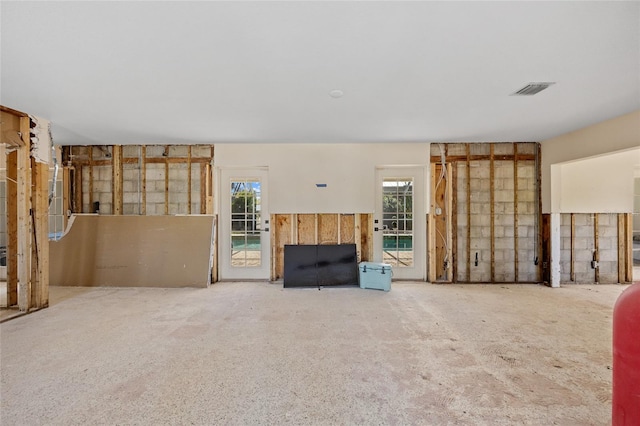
532, 89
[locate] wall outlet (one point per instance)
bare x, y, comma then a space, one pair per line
594, 264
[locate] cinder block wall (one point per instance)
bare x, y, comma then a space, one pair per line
592, 237
155, 178
496, 212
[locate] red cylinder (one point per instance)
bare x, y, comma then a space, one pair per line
626, 358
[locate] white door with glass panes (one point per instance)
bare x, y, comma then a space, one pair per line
244, 242
399, 236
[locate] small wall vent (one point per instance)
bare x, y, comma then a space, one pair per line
532, 89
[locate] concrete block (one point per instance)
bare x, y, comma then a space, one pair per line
130, 186
201, 151
583, 255
582, 219
608, 255
526, 171
478, 244
130, 197
526, 220
178, 197
503, 196
584, 232
155, 197
132, 175
608, 231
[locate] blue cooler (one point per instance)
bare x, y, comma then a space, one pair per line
375, 275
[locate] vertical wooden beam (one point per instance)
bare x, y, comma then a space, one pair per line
454, 222
468, 193
596, 250
117, 184
492, 206
315, 229
78, 200
516, 266
12, 228
432, 273
629, 235
90, 149
203, 188
540, 257
40, 230
357, 235
294, 229
210, 194
189, 179
166, 180
66, 195
339, 227
573, 251
622, 249
143, 183
24, 218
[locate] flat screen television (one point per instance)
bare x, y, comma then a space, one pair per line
320, 265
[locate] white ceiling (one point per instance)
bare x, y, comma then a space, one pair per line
211, 72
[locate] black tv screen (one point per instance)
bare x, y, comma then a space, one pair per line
320, 265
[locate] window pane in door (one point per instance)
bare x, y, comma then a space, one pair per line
245, 224
397, 221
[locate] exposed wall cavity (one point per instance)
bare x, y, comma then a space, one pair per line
139, 180
496, 208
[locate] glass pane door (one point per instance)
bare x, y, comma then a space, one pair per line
246, 224
397, 221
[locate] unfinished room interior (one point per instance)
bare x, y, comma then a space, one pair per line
243, 213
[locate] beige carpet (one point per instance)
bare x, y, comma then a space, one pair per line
255, 353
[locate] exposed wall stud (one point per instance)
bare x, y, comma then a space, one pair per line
492, 206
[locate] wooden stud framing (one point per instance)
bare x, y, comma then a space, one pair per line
516, 266
189, 180
622, 249
359, 236
91, 209
540, 240
573, 251
492, 202
116, 174
24, 218
166, 180
629, 244
596, 251
143, 180
454, 222
203, 188
12, 228
468, 193
66, 195
40, 224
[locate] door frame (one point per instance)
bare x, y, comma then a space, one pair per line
420, 205
225, 271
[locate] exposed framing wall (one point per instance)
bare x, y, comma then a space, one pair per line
495, 213
27, 215
595, 248
319, 229
139, 179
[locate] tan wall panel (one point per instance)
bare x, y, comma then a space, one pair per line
133, 251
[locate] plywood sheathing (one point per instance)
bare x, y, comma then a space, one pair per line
134, 251
325, 228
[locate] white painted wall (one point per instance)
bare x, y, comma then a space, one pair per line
347, 169
597, 185
598, 145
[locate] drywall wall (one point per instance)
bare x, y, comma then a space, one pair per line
621, 134
597, 185
348, 170
133, 251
